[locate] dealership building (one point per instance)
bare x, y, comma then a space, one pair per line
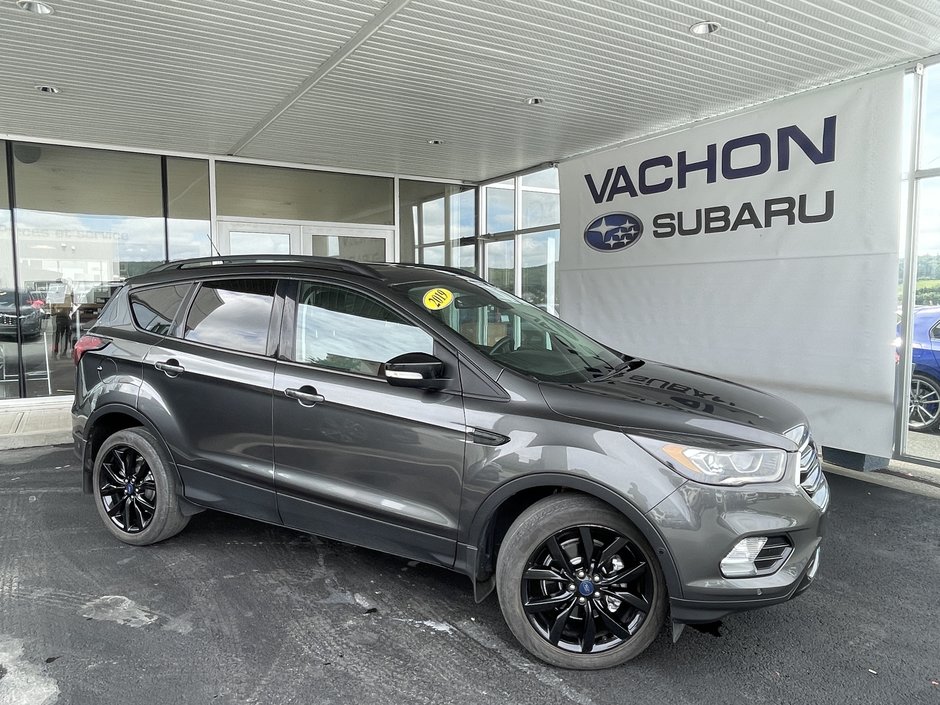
745, 189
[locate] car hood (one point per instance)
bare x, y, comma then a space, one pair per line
655, 398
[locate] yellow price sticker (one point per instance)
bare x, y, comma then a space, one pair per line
436, 299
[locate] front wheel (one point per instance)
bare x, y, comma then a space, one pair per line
136, 490
925, 404
578, 585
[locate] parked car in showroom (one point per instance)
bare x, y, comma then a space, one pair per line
29, 310
924, 413
426, 413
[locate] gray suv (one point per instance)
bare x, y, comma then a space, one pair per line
423, 412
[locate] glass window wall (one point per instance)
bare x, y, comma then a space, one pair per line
919, 421
522, 236
540, 269
9, 311
85, 220
500, 206
437, 223
278, 193
189, 233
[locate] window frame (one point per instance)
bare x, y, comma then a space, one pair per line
183, 306
178, 329
288, 325
448, 243
517, 231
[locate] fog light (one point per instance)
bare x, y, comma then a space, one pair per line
739, 563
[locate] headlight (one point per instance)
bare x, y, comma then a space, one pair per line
720, 467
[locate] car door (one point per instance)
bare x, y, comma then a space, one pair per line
357, 459
207, 387
932, 359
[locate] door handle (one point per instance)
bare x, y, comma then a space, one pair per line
306, 395
171, 368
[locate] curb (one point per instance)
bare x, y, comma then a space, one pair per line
34, 439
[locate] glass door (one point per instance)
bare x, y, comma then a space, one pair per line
362, 243
918, 330
359, 243
258, 238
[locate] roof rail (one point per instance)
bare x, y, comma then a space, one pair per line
335, 263
441, 268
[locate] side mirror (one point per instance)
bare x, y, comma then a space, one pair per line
415, 370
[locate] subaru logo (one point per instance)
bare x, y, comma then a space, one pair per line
614, 231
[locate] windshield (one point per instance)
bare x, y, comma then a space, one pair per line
514, 333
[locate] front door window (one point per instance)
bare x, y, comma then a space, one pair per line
344, 330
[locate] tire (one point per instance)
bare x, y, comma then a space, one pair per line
924, 412
136, 489
529, 566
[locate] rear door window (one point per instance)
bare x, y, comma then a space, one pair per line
154, 309
233, 314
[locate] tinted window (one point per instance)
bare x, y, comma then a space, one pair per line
232, 314
517, 334
154, 309
344, 330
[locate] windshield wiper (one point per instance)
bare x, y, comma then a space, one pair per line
625, 366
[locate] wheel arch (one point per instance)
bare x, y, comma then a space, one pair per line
105, 422
924, 371
477, 554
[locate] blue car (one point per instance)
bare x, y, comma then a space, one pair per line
925, 376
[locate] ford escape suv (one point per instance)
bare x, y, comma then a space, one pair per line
423, 412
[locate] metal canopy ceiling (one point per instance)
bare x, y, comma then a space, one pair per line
363, 84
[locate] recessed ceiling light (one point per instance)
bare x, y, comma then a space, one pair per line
703, 29
37, 8
48, 90
534, 100
435, 142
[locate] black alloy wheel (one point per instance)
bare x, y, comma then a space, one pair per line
127, 489
579, 585
587, 589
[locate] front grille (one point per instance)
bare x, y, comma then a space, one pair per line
773, 555
812, 479
811, 475
7, 320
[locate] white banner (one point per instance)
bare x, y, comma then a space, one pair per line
762, 248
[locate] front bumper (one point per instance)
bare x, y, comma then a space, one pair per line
703, 611
701, 523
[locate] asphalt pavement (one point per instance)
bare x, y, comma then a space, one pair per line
235, 611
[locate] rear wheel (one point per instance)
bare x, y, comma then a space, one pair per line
136, 490
925, 404
578, 585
